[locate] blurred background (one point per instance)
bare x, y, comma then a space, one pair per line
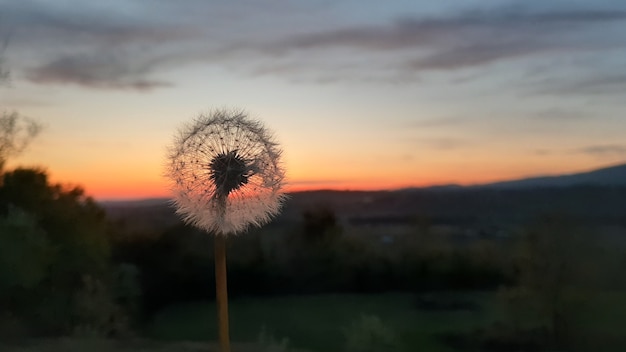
456, 175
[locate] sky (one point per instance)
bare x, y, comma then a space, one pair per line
360, 94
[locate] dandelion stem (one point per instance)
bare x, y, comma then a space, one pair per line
221, 293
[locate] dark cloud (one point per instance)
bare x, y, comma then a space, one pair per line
261, 42
94, 47
409, 33
43, 22
105, 71
469, 39
604, 150
477, 54
593, 84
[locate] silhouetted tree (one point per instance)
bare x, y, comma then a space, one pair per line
56, 238
16, 131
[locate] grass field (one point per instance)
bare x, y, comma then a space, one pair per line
104, 345
319, 322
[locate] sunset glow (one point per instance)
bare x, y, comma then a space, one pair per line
359, 96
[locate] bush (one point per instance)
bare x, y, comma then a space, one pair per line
51, 239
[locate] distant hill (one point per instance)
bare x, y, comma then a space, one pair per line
613, 176
595, 196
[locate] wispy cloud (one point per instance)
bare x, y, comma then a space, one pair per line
469, 39
604, 150
104, 71
560, 114
600, 83
88, 45
139, 43
85, 23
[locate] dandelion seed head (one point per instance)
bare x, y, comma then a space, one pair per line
225, 173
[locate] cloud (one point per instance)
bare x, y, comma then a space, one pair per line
469, 39
603, 150
104, 47
85, 22
102, 71
559, 114
599, 83
412, 32
478, 54
259, 40
65, 43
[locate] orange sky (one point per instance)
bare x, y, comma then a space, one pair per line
135, 184
360, 95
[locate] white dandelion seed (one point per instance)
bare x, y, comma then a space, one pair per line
225, 173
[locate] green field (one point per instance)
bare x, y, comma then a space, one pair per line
319, 322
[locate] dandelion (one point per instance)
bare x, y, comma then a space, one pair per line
226, 173
226, 176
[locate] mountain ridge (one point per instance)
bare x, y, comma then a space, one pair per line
609, 176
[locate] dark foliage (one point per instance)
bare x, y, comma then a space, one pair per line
58, 239
315, 255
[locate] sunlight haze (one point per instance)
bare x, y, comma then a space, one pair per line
360, 94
